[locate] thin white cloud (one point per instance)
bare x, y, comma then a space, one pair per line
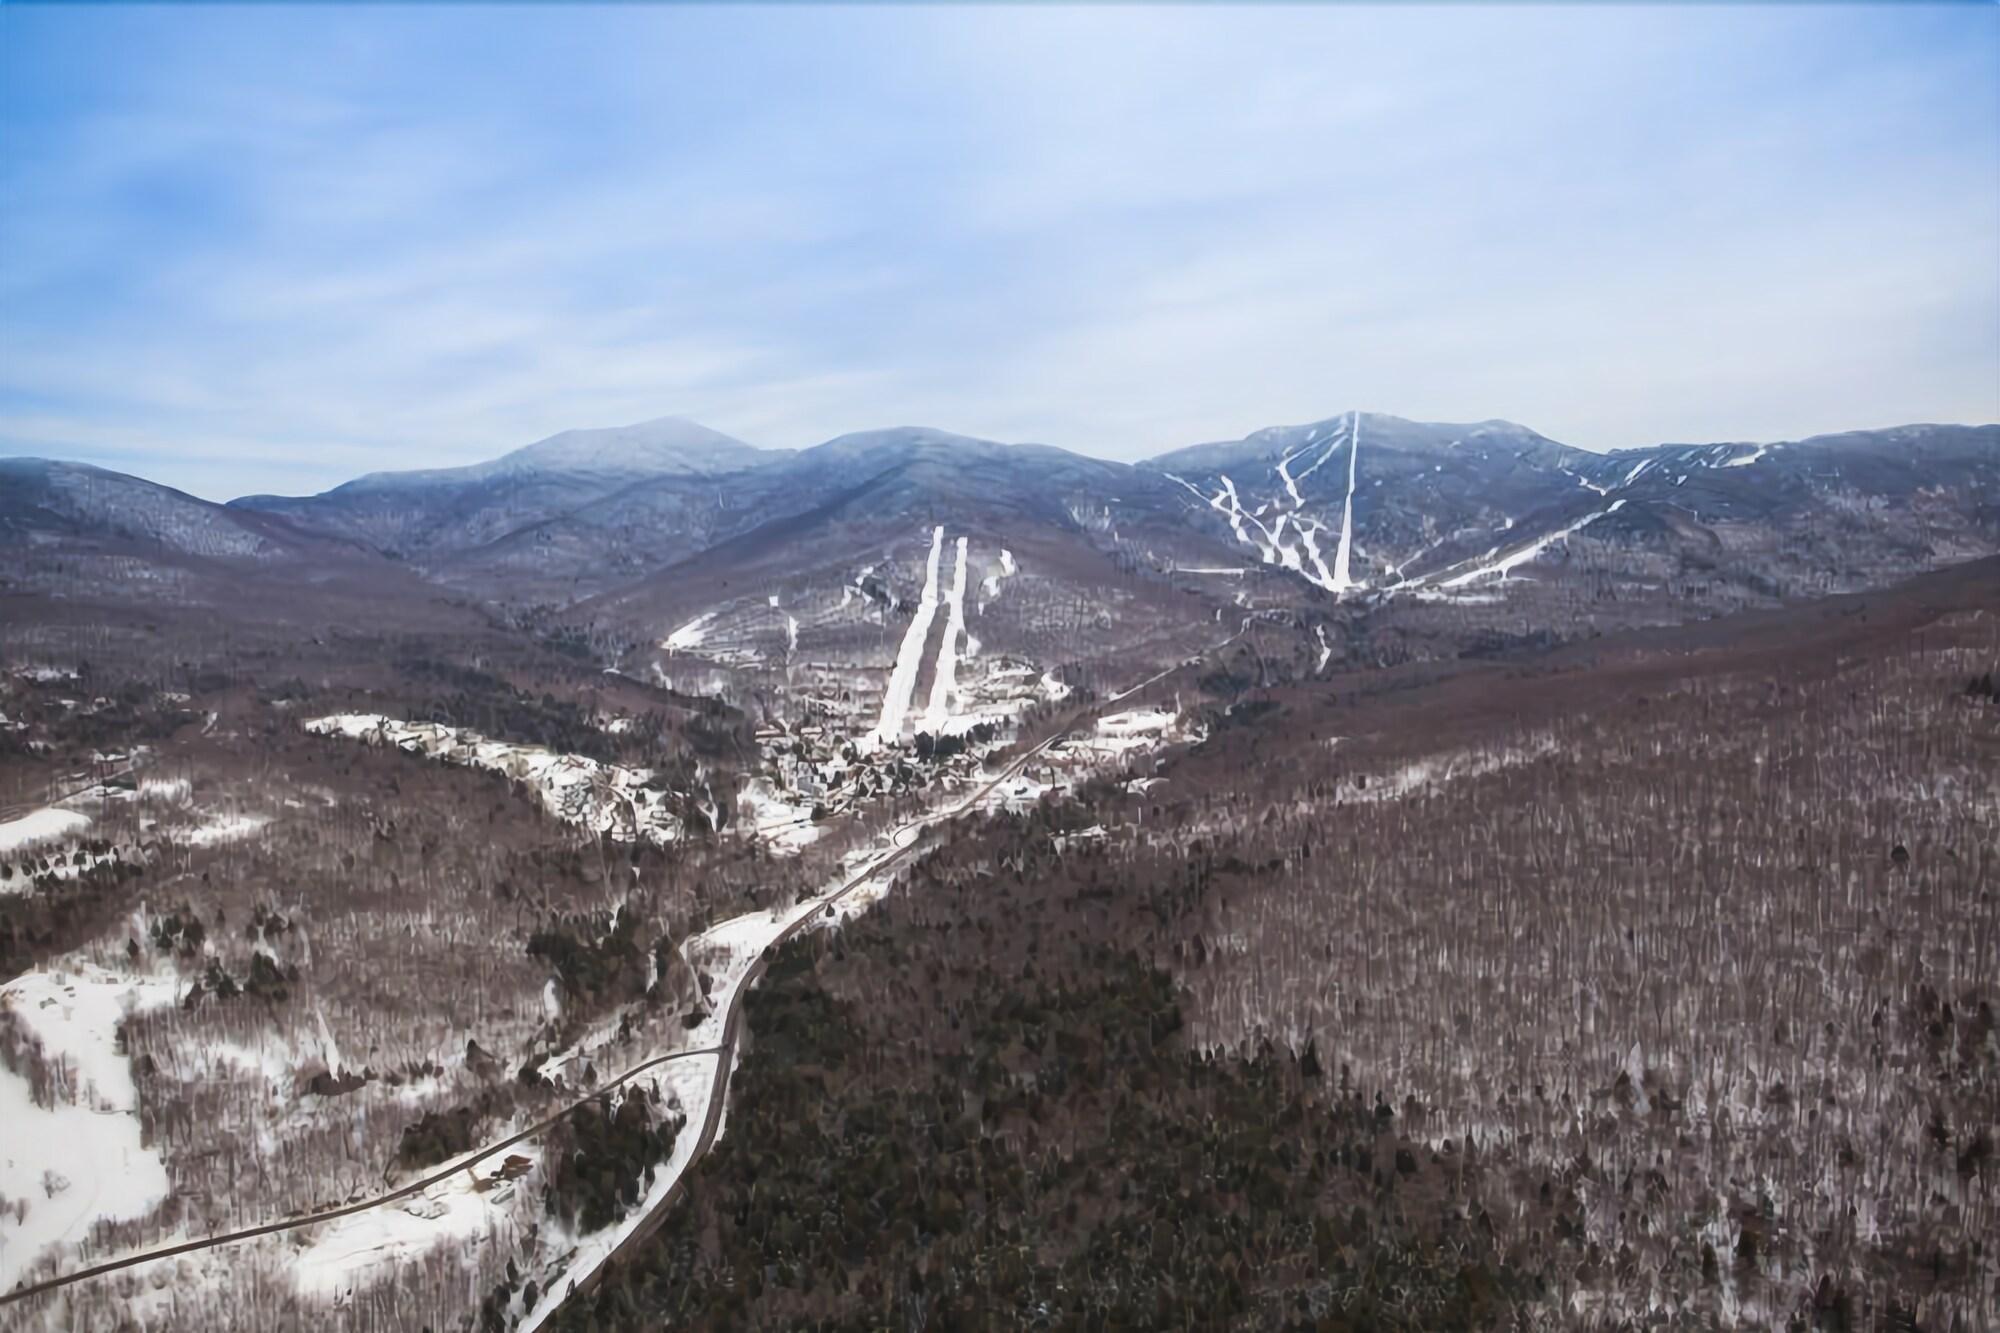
267, 250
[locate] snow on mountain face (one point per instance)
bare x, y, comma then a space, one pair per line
669, 445
589, 519
1427, 500
41, 500
578, 504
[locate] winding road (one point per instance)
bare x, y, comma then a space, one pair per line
904, 841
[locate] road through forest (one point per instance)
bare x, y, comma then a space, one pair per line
903, 842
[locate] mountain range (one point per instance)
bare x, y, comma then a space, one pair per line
637, 528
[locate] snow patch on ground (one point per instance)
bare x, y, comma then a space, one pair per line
45, 825
1453, 766
225, 828
989, 587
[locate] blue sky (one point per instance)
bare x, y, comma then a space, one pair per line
271, 248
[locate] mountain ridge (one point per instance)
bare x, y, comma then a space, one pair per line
641, 523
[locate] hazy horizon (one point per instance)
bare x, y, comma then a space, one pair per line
271, 250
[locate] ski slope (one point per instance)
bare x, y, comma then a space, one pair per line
1342, 581
944, 682
1526, 553
910, 656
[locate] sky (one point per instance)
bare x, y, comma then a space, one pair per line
267, 249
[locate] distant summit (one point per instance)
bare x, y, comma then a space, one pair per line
666, 446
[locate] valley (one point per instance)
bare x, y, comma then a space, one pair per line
1368, 874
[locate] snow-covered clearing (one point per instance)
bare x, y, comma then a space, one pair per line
910, 656
989, 587
1118, 734
44, 825
689, 635
81, 1161
1526, 553
944, 682
225, 828
605, 798
783, 825
1745, 460
459, 1210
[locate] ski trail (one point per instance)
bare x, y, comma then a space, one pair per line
909, 657
1226, 503
945, 683
1531, 550
1323, 576
1285, 471
1232, 511
1583, 481
1341, 581
689, 635
1332, 446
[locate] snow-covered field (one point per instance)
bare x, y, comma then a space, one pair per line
66, 1166
465, 1208
40, 826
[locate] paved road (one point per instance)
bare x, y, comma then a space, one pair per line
357, 1206
719, 1092
725, 1050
